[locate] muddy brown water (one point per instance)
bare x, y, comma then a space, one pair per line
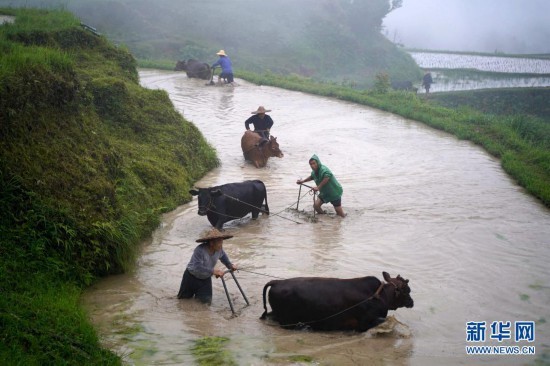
420, 203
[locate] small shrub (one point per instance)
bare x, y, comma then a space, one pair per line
381, 83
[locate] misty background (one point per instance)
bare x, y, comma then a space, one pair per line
336, 41
507, 26
349, 42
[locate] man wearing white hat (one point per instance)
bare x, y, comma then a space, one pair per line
225, 63
262, 122
197, 278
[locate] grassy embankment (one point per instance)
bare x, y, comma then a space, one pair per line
88, 161
510, 101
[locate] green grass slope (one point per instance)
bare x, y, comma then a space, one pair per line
88, 161
512, 101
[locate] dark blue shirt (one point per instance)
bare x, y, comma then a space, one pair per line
225, 63
259, 123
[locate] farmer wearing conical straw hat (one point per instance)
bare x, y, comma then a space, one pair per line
262, 123
197, 278
225, 63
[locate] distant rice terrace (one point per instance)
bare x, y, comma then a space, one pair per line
514, 65
460, 71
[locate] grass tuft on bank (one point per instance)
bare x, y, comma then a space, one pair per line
89, 160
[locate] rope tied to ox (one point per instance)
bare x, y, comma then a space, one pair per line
210, 207
258, 208
301, 324
261, 274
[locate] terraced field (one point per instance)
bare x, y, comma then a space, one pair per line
514, 65
458, 71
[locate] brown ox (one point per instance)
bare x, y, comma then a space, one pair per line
258, 153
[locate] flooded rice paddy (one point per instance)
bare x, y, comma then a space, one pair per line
448, 82
481, 71
517, 65
420, 203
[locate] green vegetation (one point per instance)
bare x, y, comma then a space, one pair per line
302, 358
209, 351
511, 101
88, 161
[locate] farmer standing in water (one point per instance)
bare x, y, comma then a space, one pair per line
328, 187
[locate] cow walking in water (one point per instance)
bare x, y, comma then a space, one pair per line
231, 201
335, 304
194, 69
256, 152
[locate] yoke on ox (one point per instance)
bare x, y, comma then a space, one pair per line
231, 201
335, 304
258, 151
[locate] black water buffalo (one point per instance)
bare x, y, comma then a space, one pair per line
335, 304
194, 69
231, 201
403, 85
180, 66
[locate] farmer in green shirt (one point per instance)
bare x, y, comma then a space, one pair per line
328, 187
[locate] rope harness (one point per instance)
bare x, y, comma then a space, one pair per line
210, 207
302, 324
261, 274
